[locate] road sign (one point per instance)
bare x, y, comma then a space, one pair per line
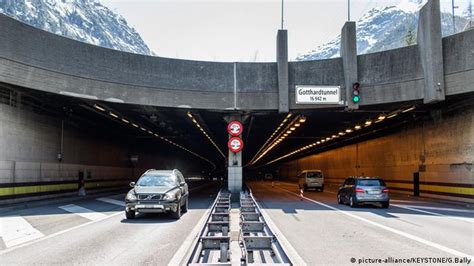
235, 144
235, 128
309, 94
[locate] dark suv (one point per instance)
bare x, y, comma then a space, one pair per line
158, 191
363, 190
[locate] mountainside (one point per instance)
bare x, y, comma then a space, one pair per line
83, 20
385, 28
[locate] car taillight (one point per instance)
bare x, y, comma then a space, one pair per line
385, 190
359, 190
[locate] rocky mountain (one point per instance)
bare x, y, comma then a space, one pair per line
83, 20
385, 28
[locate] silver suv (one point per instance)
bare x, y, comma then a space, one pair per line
158, 191
363, 190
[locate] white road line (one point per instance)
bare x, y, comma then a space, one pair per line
290, 251
184, 251
469, 220
16, 230
84, 212
395, 231
57, 233
112, 201
438, 208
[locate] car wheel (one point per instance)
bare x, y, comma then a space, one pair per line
339, 200
130, 214
185, 206
385, 205
352, 202
177, 214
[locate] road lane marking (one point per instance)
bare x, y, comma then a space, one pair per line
84, 212
395, 231
290, 251
469, 220
437, 208
57, 233
112, 201
15, 230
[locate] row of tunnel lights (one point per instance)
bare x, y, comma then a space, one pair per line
190, 115
127, 121
292, 126
367, 123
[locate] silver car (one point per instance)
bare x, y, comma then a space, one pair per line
156, 192
363, 190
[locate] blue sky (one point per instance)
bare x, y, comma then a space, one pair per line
230, 30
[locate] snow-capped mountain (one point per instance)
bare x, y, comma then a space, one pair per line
83, 20
385, 28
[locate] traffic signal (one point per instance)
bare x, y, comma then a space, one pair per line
356, 92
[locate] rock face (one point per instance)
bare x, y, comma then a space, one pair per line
385, 28
83, 20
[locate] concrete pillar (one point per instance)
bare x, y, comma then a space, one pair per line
349, 61
282, 68
431, 51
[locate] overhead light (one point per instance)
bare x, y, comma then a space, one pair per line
142, 128
288, 132
409, 109
302, 119
357, 127
292, 128
135, 125
341, 133
297, 124
318, 142
334, 136
392, 115
381, 117
348, 130
112, 114
98, 107
125, 120
190, 115
368, 123
323, 140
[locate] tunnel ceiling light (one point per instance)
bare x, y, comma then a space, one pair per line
348, 130
381, 117
201, 128
135, 125
282, 131
98, 107
409, 109
113, 115
392, 115
297, 124
368, 123
125, 121
357, 127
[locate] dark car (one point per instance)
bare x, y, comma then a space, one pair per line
363, 190
157, 192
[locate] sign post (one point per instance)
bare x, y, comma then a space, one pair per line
309, 94
235, 145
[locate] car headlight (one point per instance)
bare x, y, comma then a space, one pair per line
171, 195
131, 196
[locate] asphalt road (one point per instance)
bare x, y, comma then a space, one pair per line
323, 232
95, 232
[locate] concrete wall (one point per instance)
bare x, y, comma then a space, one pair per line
30, 142
444, 147
36, 59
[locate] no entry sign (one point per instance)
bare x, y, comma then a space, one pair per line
235, 144
235, 128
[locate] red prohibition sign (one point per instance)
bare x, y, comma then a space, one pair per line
235, 128
235, 144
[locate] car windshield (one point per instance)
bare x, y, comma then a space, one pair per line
157, 181
371, 182
314, 175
